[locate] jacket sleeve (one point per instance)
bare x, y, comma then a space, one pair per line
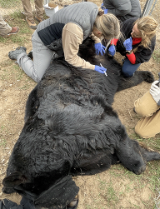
144, 54
72, 37
120, 7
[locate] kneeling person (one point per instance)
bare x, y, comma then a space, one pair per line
139, 44
148, 106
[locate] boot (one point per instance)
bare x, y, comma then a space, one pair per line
39, 19
13, 31
31, 23
14, 54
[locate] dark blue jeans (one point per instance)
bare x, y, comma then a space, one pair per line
128, 69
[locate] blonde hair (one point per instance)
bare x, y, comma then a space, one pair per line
147, 26
108, 25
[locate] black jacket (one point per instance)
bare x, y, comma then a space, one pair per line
142, 54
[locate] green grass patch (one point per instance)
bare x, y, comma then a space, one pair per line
10, 3
3, 142
17, 19
156, 55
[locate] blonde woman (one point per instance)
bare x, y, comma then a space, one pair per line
139, 45
72, 25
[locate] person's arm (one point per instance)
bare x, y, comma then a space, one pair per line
129, 53
120, 7
131, 57
72, 37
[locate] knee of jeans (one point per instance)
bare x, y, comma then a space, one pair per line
127, 72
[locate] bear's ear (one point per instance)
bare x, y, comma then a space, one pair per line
14, 179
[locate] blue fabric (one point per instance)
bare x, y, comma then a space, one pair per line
112, 50
105, 11
100, 49
27, 204
100, 69
104, 8
8, 204
128, 68
128, 44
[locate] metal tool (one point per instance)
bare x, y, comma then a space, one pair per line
104, 71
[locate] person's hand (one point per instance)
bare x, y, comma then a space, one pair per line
155, 91
104, 8
100, 49
105, 11
102, 5
128, 44
100, 69
112, 50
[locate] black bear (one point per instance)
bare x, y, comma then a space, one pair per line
71, 129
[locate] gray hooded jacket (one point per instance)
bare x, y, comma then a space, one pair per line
123, 9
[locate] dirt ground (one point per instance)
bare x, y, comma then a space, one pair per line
114, 188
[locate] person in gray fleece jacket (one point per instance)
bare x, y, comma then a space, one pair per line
67, 28
122, 9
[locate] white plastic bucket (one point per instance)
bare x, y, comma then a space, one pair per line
50, 10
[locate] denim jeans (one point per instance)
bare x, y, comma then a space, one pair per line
128, 68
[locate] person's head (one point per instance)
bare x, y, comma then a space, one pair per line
145, 28
106, 26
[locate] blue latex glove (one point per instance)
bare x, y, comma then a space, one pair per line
105, 11
112, 50
100, 69
100, 49
128, 44
104, 8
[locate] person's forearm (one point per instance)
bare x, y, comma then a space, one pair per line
79, 62
72, 37
132, 58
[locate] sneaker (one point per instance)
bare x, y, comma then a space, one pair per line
31, 23
14, 54
39, 19
13, 31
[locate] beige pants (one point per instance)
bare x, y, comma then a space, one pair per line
4, 27
149, 125
28, 9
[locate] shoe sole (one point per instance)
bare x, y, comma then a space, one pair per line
31, 26
37, 19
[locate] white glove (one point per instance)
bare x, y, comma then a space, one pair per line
155, 91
